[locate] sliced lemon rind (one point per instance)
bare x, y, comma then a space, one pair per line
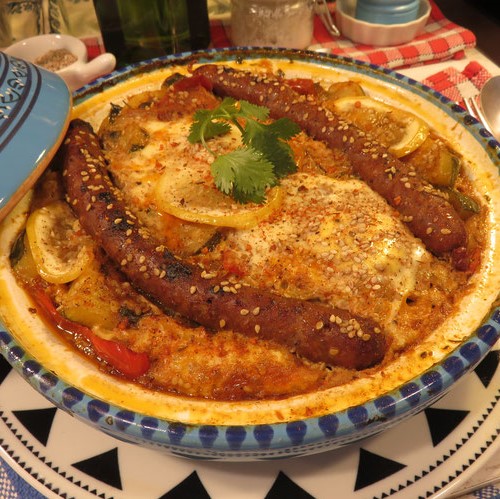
416, 131
197, 202
54, 266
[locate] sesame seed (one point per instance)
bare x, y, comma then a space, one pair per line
445, 231
244, 311
256, 311
257, 328
319, 325
207, 275
222, 323
193, 290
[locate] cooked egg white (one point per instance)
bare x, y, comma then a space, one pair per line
333, 240
169, 153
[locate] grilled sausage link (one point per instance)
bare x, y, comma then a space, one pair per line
428, 215
314, 331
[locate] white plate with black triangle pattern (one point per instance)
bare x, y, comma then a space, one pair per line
428, 455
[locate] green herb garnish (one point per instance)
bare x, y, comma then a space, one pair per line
264, 158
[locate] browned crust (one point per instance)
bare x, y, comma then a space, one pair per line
317, 332
428, 215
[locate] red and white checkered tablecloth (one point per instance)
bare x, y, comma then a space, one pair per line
440, 40
458, 85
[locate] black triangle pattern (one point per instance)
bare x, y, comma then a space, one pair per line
38, 422
42, 458
458, 446
283, 486
487, 367
190, 487
373, 468
5, 369
103, 467
442, 422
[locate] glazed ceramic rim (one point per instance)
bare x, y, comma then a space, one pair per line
308, 435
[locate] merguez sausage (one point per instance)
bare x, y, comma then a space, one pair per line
314, 331
428, 215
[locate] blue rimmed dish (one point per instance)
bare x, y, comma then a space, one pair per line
277, 428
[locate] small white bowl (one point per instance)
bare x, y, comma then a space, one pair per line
76, 74
378, 34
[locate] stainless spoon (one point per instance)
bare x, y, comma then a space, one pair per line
489, 99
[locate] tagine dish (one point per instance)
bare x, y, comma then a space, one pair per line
254, 241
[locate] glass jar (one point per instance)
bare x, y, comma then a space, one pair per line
272, 23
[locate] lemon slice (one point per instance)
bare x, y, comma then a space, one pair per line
188, 196
59, 252
400, 131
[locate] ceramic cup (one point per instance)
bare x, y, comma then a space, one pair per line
387, 11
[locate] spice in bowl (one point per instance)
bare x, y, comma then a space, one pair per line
54, 60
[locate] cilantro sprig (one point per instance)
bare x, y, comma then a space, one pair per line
264, 157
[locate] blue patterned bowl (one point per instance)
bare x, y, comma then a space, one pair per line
277, 428
35, 107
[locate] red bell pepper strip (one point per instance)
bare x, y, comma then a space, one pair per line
131, 364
